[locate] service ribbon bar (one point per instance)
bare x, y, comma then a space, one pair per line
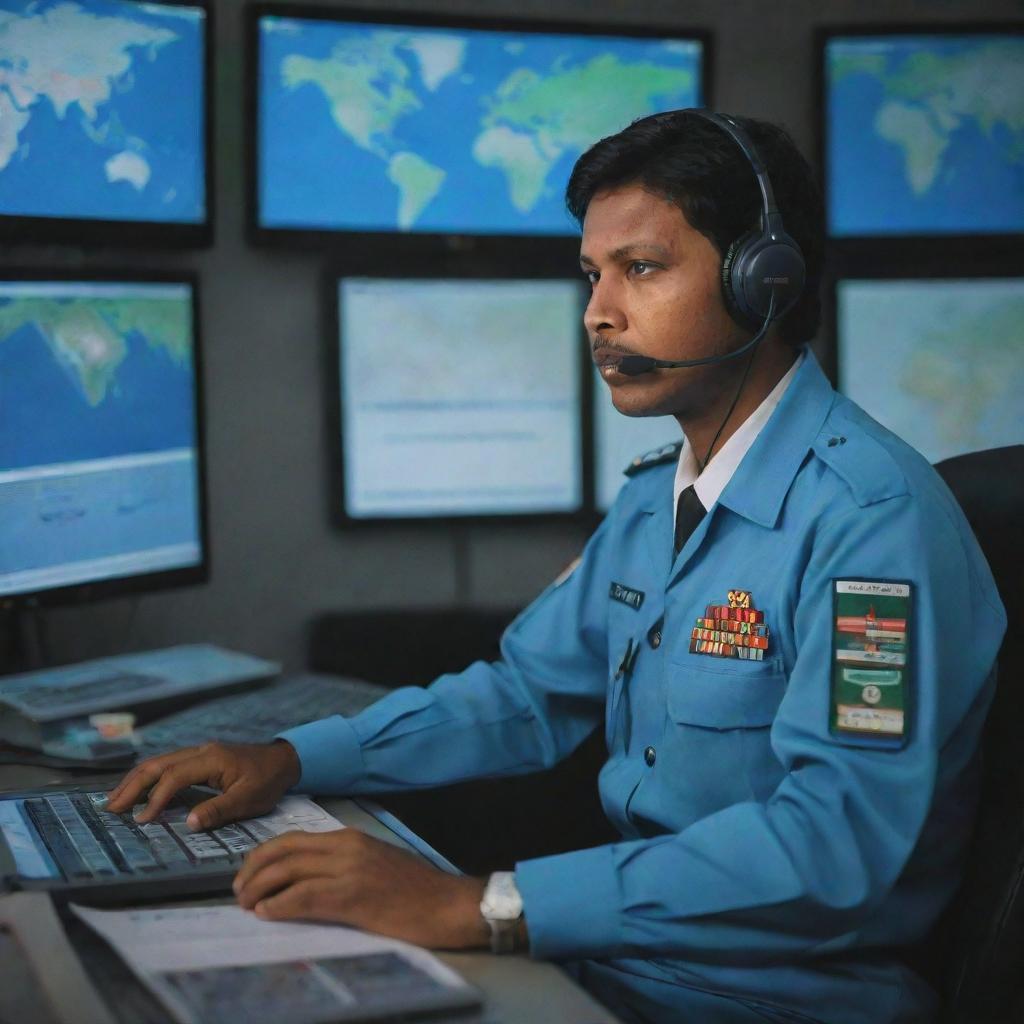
733, 630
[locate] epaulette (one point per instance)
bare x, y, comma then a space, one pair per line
655, 457
864, 464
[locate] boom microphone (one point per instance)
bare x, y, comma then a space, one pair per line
634, 366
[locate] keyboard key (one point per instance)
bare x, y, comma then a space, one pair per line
235, 838
202, 847
81, 836
164, 846
57, 840
258, 830
132, 849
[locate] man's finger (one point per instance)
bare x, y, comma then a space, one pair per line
273, 850
142, 777
282, 873
174, 779
219, 810
305, 900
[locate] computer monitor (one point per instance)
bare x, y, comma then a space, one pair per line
431, 125
459, 397
618, 439
101, 480
936, 361
104, 125
922, 131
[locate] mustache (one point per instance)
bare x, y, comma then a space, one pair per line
609, 353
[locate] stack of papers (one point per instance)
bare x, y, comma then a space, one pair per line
211, 964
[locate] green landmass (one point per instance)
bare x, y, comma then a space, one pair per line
929, 95
533, 119
577, 106
418, 181
364, 82
88, 335
845, 64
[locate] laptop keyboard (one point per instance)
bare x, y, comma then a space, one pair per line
259, 715
119, 686
87, 841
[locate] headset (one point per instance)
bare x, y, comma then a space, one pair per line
763, 272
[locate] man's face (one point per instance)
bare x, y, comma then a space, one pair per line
655, 292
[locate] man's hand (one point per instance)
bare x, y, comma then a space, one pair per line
351, 878
252, 778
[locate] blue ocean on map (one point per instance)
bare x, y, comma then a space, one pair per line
909, 146
45, 418
148, 136
468, 167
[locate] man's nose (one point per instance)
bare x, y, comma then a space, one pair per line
605, 313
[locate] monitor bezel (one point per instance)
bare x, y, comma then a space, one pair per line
904, 246
426, 244
440, 270
97, 590
32, 229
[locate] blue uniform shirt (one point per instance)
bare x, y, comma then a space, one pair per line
766, 865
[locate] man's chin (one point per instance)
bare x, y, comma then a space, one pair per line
634, 397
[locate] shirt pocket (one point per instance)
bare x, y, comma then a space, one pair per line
739, 695
717, 744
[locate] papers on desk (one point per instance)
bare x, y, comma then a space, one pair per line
210, 964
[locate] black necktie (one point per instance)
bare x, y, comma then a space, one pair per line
689, 513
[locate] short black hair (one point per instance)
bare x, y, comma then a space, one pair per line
696, 165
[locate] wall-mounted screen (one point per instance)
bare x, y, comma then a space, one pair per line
618, 439
444, 128
100, 474
924, 134
103, 112
936, 361
460, 397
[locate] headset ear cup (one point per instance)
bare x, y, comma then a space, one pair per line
732, 285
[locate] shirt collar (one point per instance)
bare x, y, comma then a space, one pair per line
710, 484
761, 482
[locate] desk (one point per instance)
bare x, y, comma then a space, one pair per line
516, 989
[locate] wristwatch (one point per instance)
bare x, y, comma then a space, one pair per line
502, 909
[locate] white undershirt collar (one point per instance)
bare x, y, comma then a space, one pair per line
718, 472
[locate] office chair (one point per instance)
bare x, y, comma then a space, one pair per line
979, 961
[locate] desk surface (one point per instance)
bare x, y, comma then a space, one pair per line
515, 988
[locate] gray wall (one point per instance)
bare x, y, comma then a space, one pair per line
277, 561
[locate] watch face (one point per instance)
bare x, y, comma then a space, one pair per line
501, 901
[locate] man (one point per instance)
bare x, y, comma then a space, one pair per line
785, 625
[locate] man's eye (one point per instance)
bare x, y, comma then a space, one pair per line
591, 276
641, 267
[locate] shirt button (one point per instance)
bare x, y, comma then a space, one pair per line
654, 638
650, 756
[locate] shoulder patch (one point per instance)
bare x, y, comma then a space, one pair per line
655, 457
871, 473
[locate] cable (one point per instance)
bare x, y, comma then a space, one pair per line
739, 390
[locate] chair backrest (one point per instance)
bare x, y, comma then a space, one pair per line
983, 968
409, 647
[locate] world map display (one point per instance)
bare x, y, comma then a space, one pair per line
937, 362
371, 127
925, 134
99, 470
102, 111
93, 371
